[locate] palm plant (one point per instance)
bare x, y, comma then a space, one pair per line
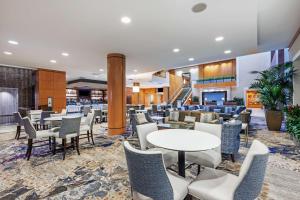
275, 86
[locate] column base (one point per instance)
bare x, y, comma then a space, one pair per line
116, 131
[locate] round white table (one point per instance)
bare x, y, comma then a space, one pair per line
183, 140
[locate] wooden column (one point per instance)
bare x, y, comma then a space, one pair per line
116, 93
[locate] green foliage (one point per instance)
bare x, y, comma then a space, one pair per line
275, 86
238, 100
293, 120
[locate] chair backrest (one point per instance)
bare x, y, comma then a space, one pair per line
44, 115
69, 126
214, 129
252, 172
29, 129
86, 110
147, 174
90, 120
143, 130
18, 118
230, 141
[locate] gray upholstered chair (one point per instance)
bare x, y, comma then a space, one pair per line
210, 158
214, 184
44, 124
134, 122
19, 121
149, 178
33, 134
98, 116
88, 126
170, 157
69, 130
230, 142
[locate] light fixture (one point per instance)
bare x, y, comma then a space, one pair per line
191, 59
53, 61
179, 73
13, 42
101, 70
7, 53
227, 51
136, 87
199, 7
125, 20
220, 38
65, 54
135, 70
176, 50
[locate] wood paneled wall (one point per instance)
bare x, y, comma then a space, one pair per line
176, 83
218, 69
143, 97
50, 83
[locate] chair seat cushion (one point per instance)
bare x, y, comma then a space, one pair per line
68, 136
170, 157
213, 184
44, 134
209, 158
179, 185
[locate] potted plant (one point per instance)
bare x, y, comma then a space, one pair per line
293, 122
275, 88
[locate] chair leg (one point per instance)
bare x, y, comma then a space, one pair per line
198, 170
88, 135
54, 146
29, 148
18, 132
232, 157
73, 143
77, 145
92, 137
64, 143
50, 144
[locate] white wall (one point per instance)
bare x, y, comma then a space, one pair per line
295, 57
245, 65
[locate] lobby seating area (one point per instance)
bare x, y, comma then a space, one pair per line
149, 100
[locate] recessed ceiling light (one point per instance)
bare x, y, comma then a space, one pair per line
199, 7
101, 70
65, 54
7, 53
176, 50
220, 38
191, 59
227, 51
135, 70
53, 61
125, 20
13, 42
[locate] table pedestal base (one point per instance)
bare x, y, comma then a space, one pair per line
181, 163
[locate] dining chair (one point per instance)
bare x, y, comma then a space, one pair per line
44, 124
209, 158
98, 116
214, 184
86, 110
170, 157
230, 139
33, 134
19, 121
69, 130
149, 179
88, 126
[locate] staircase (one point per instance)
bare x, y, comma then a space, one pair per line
181, 96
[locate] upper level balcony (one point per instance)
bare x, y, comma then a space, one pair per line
222, 81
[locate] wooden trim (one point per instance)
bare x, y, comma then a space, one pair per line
87, 81
50, 70
222, 84
294, 38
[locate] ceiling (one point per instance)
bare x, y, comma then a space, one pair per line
89, 30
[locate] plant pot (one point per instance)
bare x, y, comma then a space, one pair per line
274, 119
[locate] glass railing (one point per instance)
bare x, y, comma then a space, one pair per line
222, 79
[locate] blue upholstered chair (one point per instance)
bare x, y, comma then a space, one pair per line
149, 178
230, 140
214, 184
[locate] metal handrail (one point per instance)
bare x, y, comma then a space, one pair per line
172, 99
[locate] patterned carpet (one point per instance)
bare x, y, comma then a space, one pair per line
100, 171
